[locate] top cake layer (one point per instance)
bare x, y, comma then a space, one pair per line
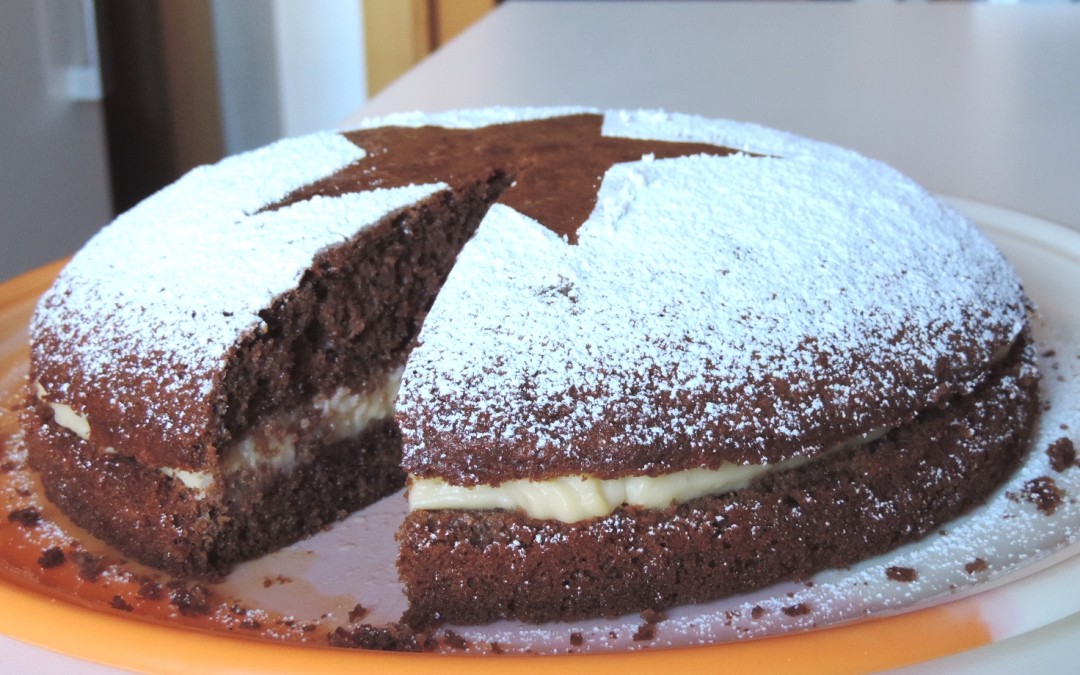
653, 292
711, 309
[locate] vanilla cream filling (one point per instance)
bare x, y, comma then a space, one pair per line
65, 416
573, 498
273, 446
346, 413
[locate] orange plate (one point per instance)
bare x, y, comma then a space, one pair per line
55, 621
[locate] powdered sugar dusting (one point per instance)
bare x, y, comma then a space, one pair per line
714, 277
744, 136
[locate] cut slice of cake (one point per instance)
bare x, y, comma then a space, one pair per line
213, 379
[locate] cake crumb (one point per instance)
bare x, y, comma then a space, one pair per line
975, 566
118, 602
90, 565
799, 609
757, 612
496, 648
357, 613
902, 574
52, 557
577, 639
279, 579
28, 517
455, 641
1062, 454
1044, 493
394, 637
652, 616
191, 600
645, 632
150, 589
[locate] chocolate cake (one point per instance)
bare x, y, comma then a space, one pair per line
644, 359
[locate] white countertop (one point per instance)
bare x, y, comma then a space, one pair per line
974, 100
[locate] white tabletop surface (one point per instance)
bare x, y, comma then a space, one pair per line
973, 100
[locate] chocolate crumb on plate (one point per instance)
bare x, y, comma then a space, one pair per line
150, 589
577, 639
455, 641
191, 600
904, 574
90, 566
393, 637
52, 557
357, 613
1044, 493
645, 632
975, 566
799, 609
1062, 454
121, 604
28, 517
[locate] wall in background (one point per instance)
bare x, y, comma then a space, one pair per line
54, 189
400, 33
180, 84
286, 68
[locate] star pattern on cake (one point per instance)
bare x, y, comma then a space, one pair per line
555, 165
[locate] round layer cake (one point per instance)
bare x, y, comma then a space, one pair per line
644, 359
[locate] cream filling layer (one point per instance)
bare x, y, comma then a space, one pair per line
573, 498
273, 445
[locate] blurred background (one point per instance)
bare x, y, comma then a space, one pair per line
102, 102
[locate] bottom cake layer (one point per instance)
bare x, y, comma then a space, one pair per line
159, 521
468, 567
